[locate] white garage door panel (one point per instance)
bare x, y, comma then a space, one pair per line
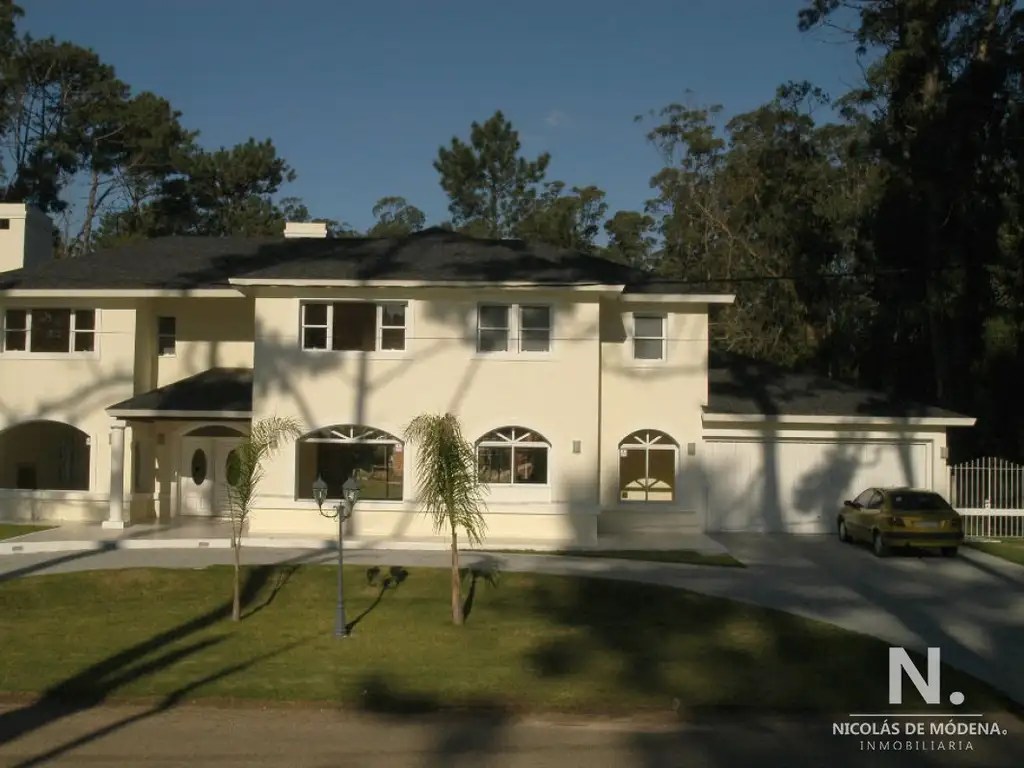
798, 486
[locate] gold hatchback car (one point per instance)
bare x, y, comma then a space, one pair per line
890, 518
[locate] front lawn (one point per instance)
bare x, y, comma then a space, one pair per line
531, 642
10, 530
1008, 549
684, 556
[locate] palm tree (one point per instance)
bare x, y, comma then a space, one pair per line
244, 472
449, 486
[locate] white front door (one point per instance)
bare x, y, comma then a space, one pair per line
204, 475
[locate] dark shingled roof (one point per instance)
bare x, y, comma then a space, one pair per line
189, 263
737, 385
743, 386
216, 389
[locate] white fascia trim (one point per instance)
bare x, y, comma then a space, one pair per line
515, 285
902, 421
150, 414
121, 293
678, 298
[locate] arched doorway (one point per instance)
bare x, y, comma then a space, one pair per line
45, 456
208, 467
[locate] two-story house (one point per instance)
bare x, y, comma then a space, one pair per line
127, 378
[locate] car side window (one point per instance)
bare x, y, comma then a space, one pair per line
876, 501
864, 498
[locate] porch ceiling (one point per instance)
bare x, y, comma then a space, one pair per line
214, 393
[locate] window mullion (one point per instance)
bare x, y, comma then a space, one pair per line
72, 325
330, 326
28, 330
379, 331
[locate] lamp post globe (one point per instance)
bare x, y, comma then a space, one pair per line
319, 492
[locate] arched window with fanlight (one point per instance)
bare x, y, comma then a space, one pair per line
513, 456
647, 467
372, 456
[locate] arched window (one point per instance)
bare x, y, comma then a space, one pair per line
647, 467
513, 456
372, 456
45, 456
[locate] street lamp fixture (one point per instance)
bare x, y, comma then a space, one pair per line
342, 512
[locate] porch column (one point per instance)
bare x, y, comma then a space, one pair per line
116, 518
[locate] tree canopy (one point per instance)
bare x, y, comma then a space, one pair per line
873, 236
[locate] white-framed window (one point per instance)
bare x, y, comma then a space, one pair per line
513, 456
647, 467
50, 331
166, 336
649, 336
354, 326
498, 324
334, 454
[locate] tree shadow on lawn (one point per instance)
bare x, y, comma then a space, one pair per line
93, 686
395, 577
486, 570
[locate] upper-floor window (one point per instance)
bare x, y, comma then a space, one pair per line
166, 336
52, 331
649, 337
5, 223
499, 324
353, 326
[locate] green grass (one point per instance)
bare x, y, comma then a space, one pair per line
10, 530
531, 643
685, 556
1008, 549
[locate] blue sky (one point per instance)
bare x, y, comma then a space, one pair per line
358, 96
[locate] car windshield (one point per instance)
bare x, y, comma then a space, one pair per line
917, 501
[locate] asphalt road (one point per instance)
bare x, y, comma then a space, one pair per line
198, 737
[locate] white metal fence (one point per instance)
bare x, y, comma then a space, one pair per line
989, 494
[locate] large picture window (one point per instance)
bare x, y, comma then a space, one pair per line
373, 457
353, 326
50, 331
647, 467
513, 456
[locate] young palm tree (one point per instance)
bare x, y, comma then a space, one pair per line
449, 486
244, 472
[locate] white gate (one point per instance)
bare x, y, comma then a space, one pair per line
989, 494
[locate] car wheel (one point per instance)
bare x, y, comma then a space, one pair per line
844, 535
949, 551
878, 545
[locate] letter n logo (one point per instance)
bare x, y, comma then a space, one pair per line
900, 661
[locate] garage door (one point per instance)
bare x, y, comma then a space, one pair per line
783, 486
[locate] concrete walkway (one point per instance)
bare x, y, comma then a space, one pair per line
214, 534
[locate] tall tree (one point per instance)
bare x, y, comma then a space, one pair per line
631, 238
58, 102
943, 101
396, 218
490, 187
564, 220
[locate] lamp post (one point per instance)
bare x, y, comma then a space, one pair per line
343, 511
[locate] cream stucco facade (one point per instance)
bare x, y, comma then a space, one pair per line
588, 400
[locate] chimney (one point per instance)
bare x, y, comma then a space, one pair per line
315, 229
26, 236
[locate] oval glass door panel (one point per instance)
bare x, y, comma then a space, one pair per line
233, 468
199, 466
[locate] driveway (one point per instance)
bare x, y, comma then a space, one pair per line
972, 607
